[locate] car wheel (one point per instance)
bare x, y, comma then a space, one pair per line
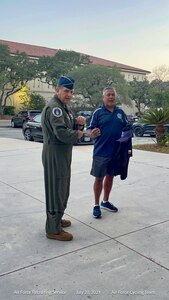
27, 135
138, 131
13, 125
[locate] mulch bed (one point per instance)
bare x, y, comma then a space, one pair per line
153, 148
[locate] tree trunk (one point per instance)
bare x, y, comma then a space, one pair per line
160, 133
138, 106
1, 107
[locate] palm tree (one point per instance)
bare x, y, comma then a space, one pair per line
159, 117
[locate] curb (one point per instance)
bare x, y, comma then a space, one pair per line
5, 123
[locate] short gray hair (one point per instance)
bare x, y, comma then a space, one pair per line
109, 88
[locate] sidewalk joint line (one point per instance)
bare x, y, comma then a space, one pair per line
124, 234
140, 254
143, 228
21, 191
117, 241
50, 259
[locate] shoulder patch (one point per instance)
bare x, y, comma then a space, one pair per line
119, 115
57, 112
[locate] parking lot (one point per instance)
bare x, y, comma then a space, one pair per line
16, 133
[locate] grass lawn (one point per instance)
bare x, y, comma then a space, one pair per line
153, 148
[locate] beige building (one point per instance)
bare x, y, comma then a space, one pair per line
47, 91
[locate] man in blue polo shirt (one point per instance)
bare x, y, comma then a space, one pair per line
105, 128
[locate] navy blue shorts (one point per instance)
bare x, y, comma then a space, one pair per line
102, 166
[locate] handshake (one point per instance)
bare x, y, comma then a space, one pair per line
79, 126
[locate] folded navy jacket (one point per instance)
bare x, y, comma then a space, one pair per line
123, 153
126, 135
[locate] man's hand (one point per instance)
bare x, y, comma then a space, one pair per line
80, 134
94, 132
81, 120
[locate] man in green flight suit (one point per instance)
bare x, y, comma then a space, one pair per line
60, 131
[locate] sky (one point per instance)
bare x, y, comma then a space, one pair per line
131, 32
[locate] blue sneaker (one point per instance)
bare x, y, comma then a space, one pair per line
109, 206
97, 212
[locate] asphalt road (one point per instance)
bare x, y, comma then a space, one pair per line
12, 133
16, 133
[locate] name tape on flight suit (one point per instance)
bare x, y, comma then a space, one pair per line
57, 112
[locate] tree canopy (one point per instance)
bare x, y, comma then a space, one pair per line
90, 80
15, 72
139, 93
63, 62
160, 73
32, 100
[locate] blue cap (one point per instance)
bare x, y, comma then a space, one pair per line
67, 82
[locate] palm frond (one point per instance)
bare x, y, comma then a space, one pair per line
156, 116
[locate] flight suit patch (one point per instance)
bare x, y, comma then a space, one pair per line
57, 112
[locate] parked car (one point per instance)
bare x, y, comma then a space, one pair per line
140, 129
23, 116
131, 119
32, 131
85, 113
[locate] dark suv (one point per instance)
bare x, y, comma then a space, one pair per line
140, 129
23, 116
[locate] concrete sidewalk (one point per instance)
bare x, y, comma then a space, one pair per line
5, 123
121, 256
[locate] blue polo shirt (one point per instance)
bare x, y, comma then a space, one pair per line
111, 125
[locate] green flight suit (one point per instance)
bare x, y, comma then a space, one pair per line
58, 140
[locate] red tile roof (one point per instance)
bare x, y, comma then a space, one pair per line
38, 51
30, 50
108, 63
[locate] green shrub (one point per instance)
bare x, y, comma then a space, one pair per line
165, 141
9, 110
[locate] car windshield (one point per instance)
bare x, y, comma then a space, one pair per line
37, 118
86, 113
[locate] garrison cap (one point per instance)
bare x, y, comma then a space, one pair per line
67, 82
